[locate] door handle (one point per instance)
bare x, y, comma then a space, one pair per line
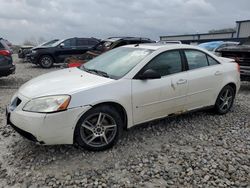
217, 73
181, 81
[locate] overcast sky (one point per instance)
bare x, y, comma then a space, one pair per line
26, 19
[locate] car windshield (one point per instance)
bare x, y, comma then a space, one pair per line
116, 63
57, 43
210, 46
50, 43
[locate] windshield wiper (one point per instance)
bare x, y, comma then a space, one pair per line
101, 73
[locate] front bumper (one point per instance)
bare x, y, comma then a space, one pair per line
33, 58
45, 128
23, 133
5, 71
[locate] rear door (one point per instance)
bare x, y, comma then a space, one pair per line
69, 49
83, 45
204, 76
155, 98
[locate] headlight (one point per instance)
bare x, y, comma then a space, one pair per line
33, 51
48, 104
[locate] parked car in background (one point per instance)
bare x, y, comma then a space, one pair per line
23, 51
46, 56
241, 54
217, 45
170, 42
103, 46
91, 105
48, 43
7, 66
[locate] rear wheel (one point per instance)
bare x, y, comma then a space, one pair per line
46, 61
225, 100
99, 128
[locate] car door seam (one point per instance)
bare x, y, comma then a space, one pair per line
149, 104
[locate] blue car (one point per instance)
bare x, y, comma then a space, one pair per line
216, 45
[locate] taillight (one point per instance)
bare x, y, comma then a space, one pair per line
237, 60
5, 52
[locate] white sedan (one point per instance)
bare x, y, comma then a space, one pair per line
91, 105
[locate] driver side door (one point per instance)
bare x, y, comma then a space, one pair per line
156, 98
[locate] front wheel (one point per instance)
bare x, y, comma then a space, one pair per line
99, 128
225, 100
46, 61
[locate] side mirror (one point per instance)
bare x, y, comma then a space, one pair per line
62, 45
149, 74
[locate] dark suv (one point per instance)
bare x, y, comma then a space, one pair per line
6, 63
46, 56
105, 45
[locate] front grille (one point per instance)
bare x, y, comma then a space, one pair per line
18, 101
15, 103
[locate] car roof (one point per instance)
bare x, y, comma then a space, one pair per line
157, 46
113, 39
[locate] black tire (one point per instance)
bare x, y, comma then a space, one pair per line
46, 61
224, 101
83, 135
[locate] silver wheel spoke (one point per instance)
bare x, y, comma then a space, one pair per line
226, 93
100, 118
229, 98
87, 126
224, 104
105, 138
92, 138
109, 126
222, 99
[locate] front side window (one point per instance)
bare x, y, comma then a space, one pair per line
69, 43
118, 62
196, 59
166, 63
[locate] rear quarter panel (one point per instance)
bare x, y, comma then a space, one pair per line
230, 75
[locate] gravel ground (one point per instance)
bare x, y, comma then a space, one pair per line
193, 150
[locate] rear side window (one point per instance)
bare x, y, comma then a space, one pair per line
166, 63
196, 59
92, 42
81, 42
211, 61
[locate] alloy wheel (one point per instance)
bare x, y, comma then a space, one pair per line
46, 62
98, 130
226, 99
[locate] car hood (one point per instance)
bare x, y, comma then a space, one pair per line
41, 47
66, 81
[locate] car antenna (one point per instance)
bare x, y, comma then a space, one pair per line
137, 45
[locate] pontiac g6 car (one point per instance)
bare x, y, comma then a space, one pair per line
130, 85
